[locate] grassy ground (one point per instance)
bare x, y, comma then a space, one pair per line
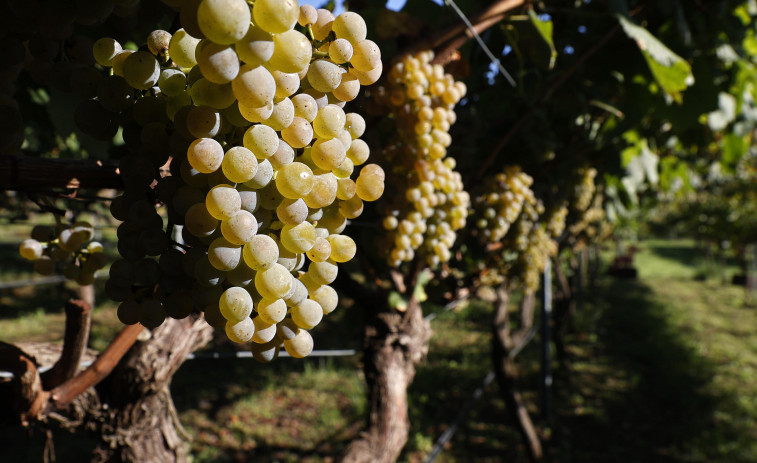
667, 372
662, 368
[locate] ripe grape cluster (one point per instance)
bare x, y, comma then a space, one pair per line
501, 204
429, 205
583, 191
65, 249
235, 125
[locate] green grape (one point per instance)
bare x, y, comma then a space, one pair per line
249, 199
207, 93
368, 77
105, 49
213, 316
263, 175
366, 56
219, 63
307, 314
45, 266
370, 183
323, 192
358, 152
322, 273
205, 155
128, 312
308, 15
295, 180
259, 114
340, 51
256, 47
350, 26
305, 106
291, 53
292, 211
179, 305
182, 48
355, 125
224, 255
322, 26
266, 352
282, 115
348, 89
324, 76
117, 63
261, 140
273, 282
30, 249
351, 208
343, 248
240, 332
239, 228
152, 241
199, 221
300, 346
235, 304
242, 275
224, 21
141, 70
271, 310
345, 169
299, 133
239, 164
283, 156
329, 121
264, 332
276, 16
345, 189
320, 251
158, 42
327, 297
328, 154
298, 293
223, 201
151, 313
298, 238
261, 252
287, 83
203, 122
254, 86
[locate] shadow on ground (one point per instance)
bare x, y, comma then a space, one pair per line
637, 392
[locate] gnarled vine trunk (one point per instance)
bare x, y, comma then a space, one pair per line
395, 343
135, 415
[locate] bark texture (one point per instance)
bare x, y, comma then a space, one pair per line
395, 343
136, 415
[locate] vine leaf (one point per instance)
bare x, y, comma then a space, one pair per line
544, 29
670, 71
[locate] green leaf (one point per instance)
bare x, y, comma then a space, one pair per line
544, 28
396, 301
734, 147
419, 292
670, 71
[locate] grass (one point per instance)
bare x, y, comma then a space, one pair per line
669, 375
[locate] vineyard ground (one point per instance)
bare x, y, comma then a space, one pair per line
661, 369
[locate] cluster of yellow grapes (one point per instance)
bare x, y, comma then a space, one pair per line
67, 250
249, 106
500, 207
583, 191
429, 204
591, 226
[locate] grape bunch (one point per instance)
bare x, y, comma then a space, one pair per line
235, 126
583, 191
430, 204
501, 205
65, 249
